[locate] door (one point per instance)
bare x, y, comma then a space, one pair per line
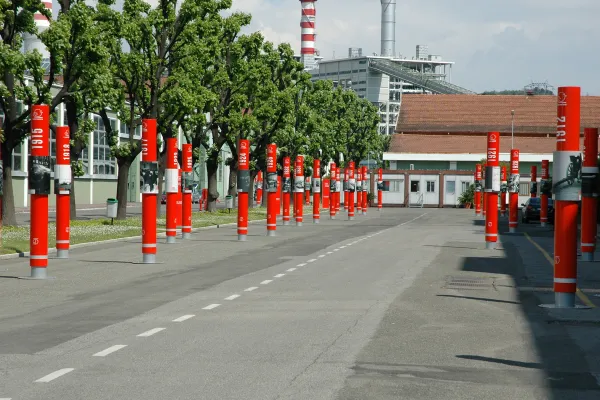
415, 189
450, 195
430, 187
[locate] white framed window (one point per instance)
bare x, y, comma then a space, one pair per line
524, 188
103, 163
450, 187
430, 186
396, 185
465, 186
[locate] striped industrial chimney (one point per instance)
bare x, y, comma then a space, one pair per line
33, 42
307, 23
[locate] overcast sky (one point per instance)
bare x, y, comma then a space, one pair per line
496, 44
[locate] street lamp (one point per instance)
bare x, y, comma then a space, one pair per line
512, 128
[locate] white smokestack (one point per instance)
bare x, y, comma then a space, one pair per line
388, 28
307, 23
32, 42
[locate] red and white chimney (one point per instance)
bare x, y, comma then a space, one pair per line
307, 23
33, 42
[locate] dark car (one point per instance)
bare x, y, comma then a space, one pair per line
531, 210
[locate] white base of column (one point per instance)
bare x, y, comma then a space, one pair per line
186, 235
149, 258
587, 257
286, 223
241, 238
171, 239
62, 254
271, 233
490, 245
512, 230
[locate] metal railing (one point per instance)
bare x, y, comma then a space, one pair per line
419, 203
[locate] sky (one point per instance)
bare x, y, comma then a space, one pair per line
496, 44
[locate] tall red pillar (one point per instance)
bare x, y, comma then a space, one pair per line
478, 178
543, 195
326, 193
316, 189
351, 190
299, 188
379, 189
346, 196
149, 174
172, 189
492, 188
338, 190
187, 181
307, 182
1, 193
513, 192
287, 190
359, 191
259, 188
567, 192
503, 189
243, 188
39, 189
365, 198
534, 188
589, 193
271, 189
333, 205
62, 190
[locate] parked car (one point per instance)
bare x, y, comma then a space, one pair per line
531, 210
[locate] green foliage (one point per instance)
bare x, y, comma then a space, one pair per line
468, 196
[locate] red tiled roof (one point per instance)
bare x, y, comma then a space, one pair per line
484, 113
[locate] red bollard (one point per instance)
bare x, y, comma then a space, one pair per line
243, 188
204, 200
149, 173
589, 192
307, 189
346, 196
379, 189
351, 189
39, 189
299, 187
259, 188
478, 179
1, 193
492, 188
179, 199
513, 192
338, 190
172, 189
271, 189
566, 188
543, 196
316, 189
187, 191
534, 188
503, 189
287, 189
62, 189
333, 205
326, 193
359, 191
365, 190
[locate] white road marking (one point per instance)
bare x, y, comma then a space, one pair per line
55, 374
111, 349
342, 247
184, 318
211, 306
279, 275
336, 249
312, 260
250, 289
301, 265
232, 297
266, 282
151, 332
5, 398
291, 270
408, 222
322, 255
330, 252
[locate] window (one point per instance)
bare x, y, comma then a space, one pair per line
414, 186
104, 164
395, 185
450, 187
220, 172
430, 186
124, 131
453, 165
362, 62
524, 189
465, 186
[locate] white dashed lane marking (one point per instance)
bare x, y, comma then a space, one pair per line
312, 260
250, 289
342, 247
55, 374
210, 307
111, 349
151, 332
266, 282
232, 297
279, 275
301, 265
291, 270
322, 255
330, 252
184, 318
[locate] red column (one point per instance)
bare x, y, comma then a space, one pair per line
316, 189
287, 189
566, 168
492, 188
333, 205
299, 188
259, 188
534, 188
149, 172
204, 206
359, 191
243, 188
338, 190
543, 196
1, 192
307, 190
478, 178
346, 196
172, 189
187, 191
503, 188
365, 198
326, 193
62, 189
271, 189
179, 198
39, 189
589, 192
379, 189
351, 190
513, 191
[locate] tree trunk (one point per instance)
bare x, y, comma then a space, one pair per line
122, 183
212, 165
73, 208
8, 216
232, 186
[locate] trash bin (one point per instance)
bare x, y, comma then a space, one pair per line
111, 208
229, 201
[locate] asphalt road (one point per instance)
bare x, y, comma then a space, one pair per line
341, 310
